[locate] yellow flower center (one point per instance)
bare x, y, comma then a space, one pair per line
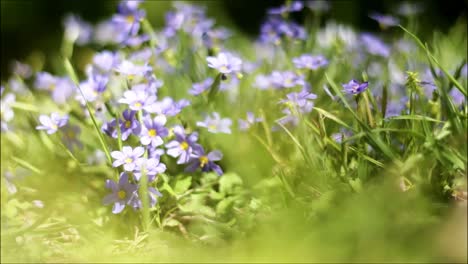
54, 126
203, 161
152, 133
184, 145
137, 104
130, 19
128, 124
131, 76
288, 81
121, 194
212, 126
223, 68
52, 87
128, 160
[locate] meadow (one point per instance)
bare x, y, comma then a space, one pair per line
313, 142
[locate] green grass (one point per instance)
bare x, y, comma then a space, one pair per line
390, 192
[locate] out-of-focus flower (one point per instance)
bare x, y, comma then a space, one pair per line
374, 45
385, 20
286, 79
127, 20
61, 88
52, 123
123, 193
70, 136
204, 161
198, 88
274, 29
318, 5
308, 61
17, 86
297, 103
23, 70
105, 61
153, 130
168, 107
215, 124
92, 88
251, 120
76, 30
295, 6
225, 63
150, 167
262, 82
354, 87
127, 157
457, 96
7, 113
182, 146
131, 70
410, 8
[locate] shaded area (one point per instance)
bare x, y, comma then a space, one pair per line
29, 25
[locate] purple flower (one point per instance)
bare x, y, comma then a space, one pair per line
127, 157
354, 87
124, 193
131, 70
251, 120
385, 20
92, 88
128, 7
457, 96
201, 160
182, 146
295, 6
286, 79
310, 62
274, 29
129, 125
150, 167
225, 63
216, 124
374, 45
127, 23
138, 99
200, 87
153, 130
105, 61
300, 101
76, 30
167, 106
155, 152
52, 123
61, 88
262, 82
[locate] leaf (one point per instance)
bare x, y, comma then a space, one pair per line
225, 205
182, 184
171, 222
356, 185
228, 182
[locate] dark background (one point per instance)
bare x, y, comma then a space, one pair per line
28, 25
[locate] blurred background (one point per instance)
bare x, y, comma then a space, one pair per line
31, 25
